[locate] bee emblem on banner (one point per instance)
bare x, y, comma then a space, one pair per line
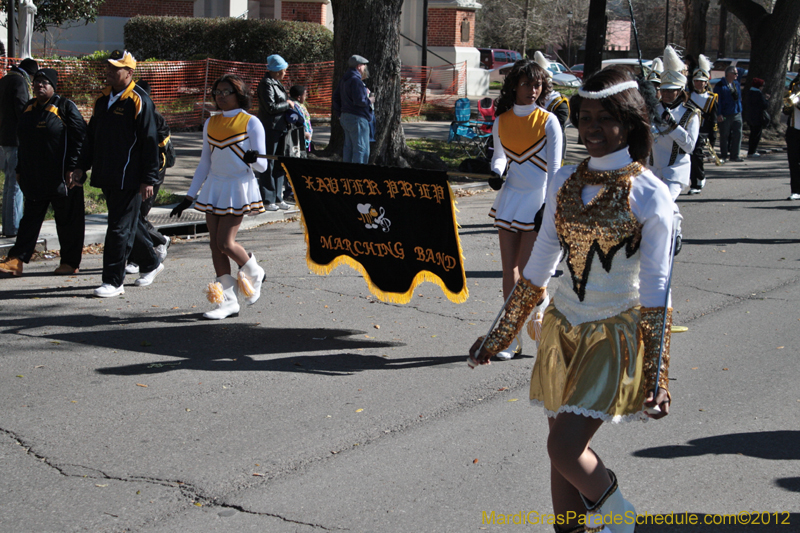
373, 218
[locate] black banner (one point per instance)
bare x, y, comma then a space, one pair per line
396, 226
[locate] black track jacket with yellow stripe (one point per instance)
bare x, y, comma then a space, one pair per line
121, 144
50, 138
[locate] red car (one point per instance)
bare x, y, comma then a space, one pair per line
577, 70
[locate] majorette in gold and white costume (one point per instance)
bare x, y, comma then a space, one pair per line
600, 338
229, 186
530, 139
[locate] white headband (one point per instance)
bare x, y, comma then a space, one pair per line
605, 93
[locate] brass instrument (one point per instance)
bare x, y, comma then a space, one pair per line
792, 97
717, 160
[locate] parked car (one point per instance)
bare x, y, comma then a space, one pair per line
493, 59
719, 66
632, 63
788, 80
561, 75
577, 70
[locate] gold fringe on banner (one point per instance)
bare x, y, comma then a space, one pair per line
391, 297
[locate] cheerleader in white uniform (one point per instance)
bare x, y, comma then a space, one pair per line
598, 357
232, 141
527, 142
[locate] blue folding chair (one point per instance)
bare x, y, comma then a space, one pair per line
465, 134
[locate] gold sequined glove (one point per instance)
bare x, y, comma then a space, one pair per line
651, 326
524, 298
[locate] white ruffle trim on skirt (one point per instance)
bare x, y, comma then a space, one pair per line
639, 416
514, 210
230, 196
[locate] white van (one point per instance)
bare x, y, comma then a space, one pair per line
632, 63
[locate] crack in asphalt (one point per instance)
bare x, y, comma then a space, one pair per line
187, 490
283, 518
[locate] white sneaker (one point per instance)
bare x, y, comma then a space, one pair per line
794, 196
132, 268
284, 206
148, 277
693, 191
272, 207
106, 290
161, 251
509, 352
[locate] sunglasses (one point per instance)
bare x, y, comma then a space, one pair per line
223, 92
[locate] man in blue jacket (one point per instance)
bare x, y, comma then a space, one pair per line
729, 115
353, 106
15, 91
121, 148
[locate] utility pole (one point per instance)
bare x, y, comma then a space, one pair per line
595, 37
525, 29
666, 26
424, 62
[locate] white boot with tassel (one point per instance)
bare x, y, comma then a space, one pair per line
224, 293
250, 278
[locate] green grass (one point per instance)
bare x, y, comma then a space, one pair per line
95, 202
495, 85
452, 158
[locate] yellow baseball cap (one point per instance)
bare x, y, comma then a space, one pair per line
120, 58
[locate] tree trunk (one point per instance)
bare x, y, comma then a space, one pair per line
694, 26
371, 28
771, 37
595, 37
723, 31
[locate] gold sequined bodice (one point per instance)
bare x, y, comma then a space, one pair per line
603, 226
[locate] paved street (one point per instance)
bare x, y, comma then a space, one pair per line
322, 409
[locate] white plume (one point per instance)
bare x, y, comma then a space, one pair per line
542, 61
657, 65
672, 61
704, 63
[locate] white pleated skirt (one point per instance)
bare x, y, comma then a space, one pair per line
230, 196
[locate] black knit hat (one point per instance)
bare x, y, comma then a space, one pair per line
50, 74
29, 65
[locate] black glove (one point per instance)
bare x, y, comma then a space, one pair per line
667, 117
178, 210
496, 181
250, 157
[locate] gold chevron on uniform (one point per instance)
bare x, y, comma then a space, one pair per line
524, 138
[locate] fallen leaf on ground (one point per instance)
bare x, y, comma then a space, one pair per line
359, 410
475, 461
98, 485
141, 385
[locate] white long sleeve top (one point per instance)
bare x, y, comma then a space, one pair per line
221, 160
684, 137
638, 279
526, 169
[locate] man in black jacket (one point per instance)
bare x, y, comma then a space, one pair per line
15, 91
121, 148
166, 158
51, 131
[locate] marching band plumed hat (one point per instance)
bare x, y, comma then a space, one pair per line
672, 78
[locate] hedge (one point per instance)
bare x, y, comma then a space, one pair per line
229, 39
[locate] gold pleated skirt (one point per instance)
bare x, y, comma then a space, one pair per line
593, 369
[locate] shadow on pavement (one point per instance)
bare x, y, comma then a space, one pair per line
722, 242
776, 445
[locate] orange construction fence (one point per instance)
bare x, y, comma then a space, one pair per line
181, 89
